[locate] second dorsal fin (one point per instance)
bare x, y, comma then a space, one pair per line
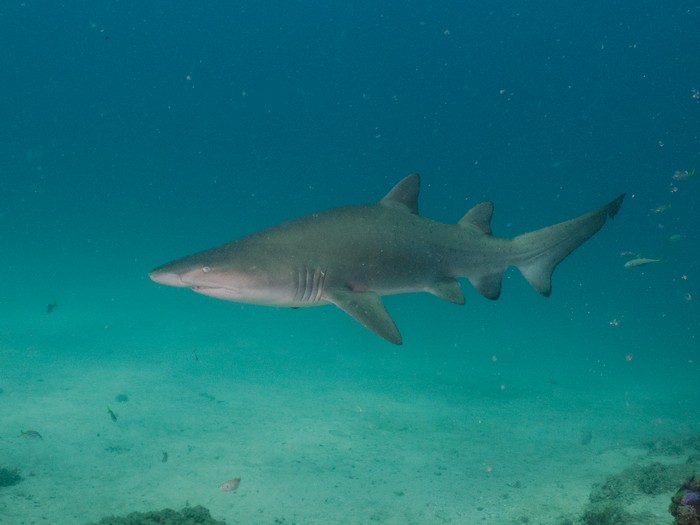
479, 216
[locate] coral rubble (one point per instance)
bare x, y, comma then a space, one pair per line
685, 504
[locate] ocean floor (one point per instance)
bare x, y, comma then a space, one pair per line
324, 423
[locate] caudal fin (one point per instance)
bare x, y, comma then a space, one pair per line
540, 251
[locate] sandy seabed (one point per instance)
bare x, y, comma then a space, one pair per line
331, 427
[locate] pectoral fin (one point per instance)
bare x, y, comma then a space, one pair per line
368, 309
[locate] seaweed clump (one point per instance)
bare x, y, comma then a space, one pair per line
188, 516
9, 477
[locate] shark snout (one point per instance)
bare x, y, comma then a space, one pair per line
167, 277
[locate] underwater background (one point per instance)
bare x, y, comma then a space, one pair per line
134, 133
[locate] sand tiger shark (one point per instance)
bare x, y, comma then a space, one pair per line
351, 256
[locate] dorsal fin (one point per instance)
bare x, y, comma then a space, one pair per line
479, 216
404, 194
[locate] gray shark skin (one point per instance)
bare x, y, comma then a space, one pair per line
351, 256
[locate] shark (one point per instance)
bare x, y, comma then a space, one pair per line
351, 256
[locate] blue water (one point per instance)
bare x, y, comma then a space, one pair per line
134, 133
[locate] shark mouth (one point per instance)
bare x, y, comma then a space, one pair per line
219, 293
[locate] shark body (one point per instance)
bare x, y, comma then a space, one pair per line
351, 256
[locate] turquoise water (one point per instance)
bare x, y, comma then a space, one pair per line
134, 134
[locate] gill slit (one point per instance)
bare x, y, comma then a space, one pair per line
309, 285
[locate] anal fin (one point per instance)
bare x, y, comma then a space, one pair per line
368, 309
488, 285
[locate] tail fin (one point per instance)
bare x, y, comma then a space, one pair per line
540, 251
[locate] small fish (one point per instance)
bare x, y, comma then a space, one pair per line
230, 485
631, 255
661, 208
30, 434
164, 459
676, 237
112, 415
683, 174
641, 261
51, 307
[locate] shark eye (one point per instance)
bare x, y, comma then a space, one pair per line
206, 269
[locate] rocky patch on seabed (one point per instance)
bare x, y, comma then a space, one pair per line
188, 516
